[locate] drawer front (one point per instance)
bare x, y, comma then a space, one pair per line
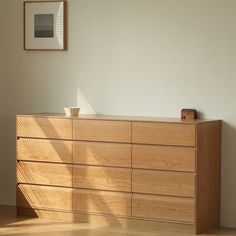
102, 130
163, 182
43, 127
163, 208
102, 202
163, 158
44, 150
32, 196
45, 174
102, 154
163, 133
103, 178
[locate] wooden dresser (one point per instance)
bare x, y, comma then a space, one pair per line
119, 170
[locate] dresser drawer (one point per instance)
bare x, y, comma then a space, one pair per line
163, 183
44, 150
102, 154
163, 208
43, 127
103, 178
163, 133
163, 157
102, 202
44, 174
102, 130
32, 196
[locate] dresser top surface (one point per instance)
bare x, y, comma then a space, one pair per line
116, 118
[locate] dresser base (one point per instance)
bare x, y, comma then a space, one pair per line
108, 220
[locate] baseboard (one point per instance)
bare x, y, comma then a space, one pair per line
6, 210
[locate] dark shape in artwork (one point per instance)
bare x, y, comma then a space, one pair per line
43, 25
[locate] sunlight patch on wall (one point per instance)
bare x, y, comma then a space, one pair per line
82, 102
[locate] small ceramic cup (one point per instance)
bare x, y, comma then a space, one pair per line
71, 111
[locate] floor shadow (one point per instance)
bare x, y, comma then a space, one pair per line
8, 216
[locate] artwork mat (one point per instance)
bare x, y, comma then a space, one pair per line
58, 42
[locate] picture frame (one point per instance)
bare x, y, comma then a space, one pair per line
45, 25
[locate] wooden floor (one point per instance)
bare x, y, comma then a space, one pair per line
15, 226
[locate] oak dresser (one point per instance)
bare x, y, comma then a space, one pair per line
119, 170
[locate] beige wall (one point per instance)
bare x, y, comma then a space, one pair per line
132, 57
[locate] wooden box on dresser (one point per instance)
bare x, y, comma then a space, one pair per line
119, 170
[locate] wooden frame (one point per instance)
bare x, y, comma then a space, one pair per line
45, 25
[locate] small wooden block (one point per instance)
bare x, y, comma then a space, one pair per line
188, 114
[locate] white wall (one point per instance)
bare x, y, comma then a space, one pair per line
128, 57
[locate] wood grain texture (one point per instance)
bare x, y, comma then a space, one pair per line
118, 118
93, 225
101, 130
208, 175
43, 127
103, 178
32, 196
143, 226
174, 163
44, 150
163, 157
102, 202
163, 182
163, 133
164, 208
102, 154
44, 174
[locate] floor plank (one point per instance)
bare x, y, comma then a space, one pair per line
20, 226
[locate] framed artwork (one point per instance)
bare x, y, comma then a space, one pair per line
44, 25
